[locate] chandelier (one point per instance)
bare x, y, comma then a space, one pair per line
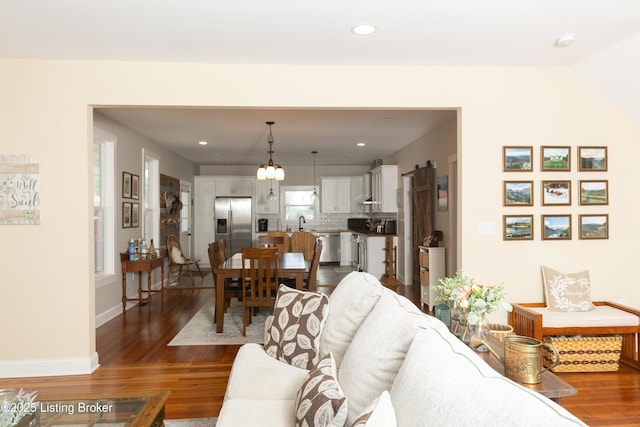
270, 170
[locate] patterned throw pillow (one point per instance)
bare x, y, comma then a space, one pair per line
567, 291
294, 335
379, 414
320, 401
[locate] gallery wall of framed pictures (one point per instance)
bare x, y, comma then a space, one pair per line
130, 209
589, 189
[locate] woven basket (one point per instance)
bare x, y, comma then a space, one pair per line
594, 353
500, 330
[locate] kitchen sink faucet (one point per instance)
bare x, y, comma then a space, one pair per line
301, 221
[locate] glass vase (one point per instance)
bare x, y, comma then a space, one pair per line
479, 333
463, 327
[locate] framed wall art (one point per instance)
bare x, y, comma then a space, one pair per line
517, 159
443, 192
556, 227
556, 193
555, 159
135, 186
518, 193
517, 227
135, 214
594, 226
592, 159
594, 192
126, 185
126, 214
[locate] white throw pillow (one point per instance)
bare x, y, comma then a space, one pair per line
176, 255
350, 302
320, 401
378, 348
298, 319
379, 414
567, 291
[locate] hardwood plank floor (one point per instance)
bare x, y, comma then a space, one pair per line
134, 356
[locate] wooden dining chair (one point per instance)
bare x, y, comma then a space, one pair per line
272, 241
178, 263
303, 241
311, 281
284, 235
260, 272
232, 288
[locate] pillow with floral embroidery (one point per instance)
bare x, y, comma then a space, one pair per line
567, 291
293, 336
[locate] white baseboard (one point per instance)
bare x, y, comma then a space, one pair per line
48, 367
116, 310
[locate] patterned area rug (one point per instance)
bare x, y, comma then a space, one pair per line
201, 330
191, 422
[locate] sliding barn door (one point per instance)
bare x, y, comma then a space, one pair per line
422, 190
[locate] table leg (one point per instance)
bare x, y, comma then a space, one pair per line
139, 285
220, 279
300, 281
124, 291
162, 278
149, 286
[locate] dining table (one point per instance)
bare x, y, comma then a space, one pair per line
290, 265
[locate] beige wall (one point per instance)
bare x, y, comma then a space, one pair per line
44, 110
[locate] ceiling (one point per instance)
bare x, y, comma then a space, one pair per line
409, 32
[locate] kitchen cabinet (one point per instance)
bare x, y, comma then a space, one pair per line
345, 248
357, 193
235, 186
384, 185
432, 269
373, 253
335, 195
263, 204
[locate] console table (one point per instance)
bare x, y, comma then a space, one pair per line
143, 263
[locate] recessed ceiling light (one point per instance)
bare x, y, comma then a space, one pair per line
565, 40
202, 142
360, 144
363, 29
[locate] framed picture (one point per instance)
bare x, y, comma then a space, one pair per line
126, 214
518, 227
443, 192
594, 192
135, 185
517, 159
594, 226
518, 193
135, 214
126, 185
555, 159
556, 193
556, 227
592, 159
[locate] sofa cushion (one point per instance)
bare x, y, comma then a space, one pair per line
320, 401
602, 315
379, 414
443, 382
373, 358
298, 319
567, 291
256, 412
255, 375
350, 302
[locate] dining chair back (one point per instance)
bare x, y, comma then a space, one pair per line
232, 288
312, 277
178, 263
303, 241
260, 273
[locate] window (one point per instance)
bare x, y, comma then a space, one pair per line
298, 202
103, 201
151, 198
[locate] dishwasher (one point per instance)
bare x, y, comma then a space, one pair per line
330, 247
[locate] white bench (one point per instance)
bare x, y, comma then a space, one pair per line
534, 320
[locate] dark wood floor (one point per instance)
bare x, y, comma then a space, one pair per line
134, 356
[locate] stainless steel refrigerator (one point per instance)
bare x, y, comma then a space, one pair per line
232, 216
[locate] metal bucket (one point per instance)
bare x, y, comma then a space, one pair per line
523, 358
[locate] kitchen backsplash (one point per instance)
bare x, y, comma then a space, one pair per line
323, 222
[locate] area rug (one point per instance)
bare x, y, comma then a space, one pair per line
191, 422
201, 330
343, 269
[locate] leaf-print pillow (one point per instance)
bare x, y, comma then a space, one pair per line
567, 291
320, 401
293, 336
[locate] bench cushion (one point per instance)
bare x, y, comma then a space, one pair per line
603, 315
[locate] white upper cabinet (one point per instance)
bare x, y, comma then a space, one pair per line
384, 185
263, 204
336, 195
235, 186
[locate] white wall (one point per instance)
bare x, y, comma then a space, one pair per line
45, 112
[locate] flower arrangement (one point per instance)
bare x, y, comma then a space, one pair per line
15, 406
473, 298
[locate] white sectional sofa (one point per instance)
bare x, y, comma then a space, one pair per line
395, 364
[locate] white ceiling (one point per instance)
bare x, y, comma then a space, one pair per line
410, 32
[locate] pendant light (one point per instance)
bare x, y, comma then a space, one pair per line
270, 170
271, 196
314, 195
